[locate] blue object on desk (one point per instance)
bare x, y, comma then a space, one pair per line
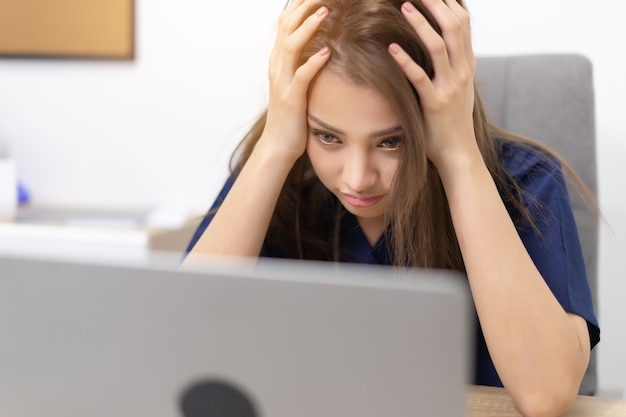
22, 194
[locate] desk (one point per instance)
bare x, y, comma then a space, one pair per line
495, 402
65, 231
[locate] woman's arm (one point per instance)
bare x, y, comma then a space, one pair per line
240, 224
540, 351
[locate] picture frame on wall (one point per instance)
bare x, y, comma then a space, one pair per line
74, 29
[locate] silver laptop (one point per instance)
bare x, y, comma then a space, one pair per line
272, 339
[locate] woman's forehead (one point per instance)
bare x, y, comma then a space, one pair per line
346, 107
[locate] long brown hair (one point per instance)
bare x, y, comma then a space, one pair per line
419, 228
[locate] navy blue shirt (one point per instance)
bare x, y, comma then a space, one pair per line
556, 251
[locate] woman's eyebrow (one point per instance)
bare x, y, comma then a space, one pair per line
324, 125
384, 132
387, 132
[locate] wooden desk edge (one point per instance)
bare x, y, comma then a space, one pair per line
491, 402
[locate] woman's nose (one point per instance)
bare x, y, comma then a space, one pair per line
358, 172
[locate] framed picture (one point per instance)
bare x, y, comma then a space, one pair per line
91, 29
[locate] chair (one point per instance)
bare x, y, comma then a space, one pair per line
551, 98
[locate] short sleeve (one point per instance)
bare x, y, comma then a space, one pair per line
267, 250
554, 245
211, 213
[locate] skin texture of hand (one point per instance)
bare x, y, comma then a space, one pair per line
286, 125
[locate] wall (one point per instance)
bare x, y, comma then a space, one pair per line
158, 131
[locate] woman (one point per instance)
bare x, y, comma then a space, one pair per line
375, 148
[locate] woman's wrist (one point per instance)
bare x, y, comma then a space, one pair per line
269, 153
459, 166
273, 148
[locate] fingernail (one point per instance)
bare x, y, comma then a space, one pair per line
321, 11
408, 7
324, 51
394, 49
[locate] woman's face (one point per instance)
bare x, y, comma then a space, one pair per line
354, 144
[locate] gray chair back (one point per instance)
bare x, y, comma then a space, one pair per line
551, 98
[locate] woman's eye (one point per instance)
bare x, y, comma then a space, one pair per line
324, 137
391, 143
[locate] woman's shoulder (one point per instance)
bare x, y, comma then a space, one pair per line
534, 175
525, 161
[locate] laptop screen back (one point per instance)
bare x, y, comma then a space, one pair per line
273, 339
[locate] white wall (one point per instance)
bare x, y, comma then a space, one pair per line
159, 130
138, 133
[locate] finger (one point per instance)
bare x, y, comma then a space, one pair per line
288, 44
281, 32
296, 41
292, 16
451, 29
288, 21
307, 71
464, 17
414, 73
292, 4
434, 43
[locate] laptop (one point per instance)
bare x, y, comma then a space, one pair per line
95, 338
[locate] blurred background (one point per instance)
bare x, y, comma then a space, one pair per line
155, 132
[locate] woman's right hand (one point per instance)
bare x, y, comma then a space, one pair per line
286, 122
233, 231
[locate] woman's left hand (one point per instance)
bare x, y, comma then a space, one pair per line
447, 100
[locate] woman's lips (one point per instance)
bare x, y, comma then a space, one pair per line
364, 201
